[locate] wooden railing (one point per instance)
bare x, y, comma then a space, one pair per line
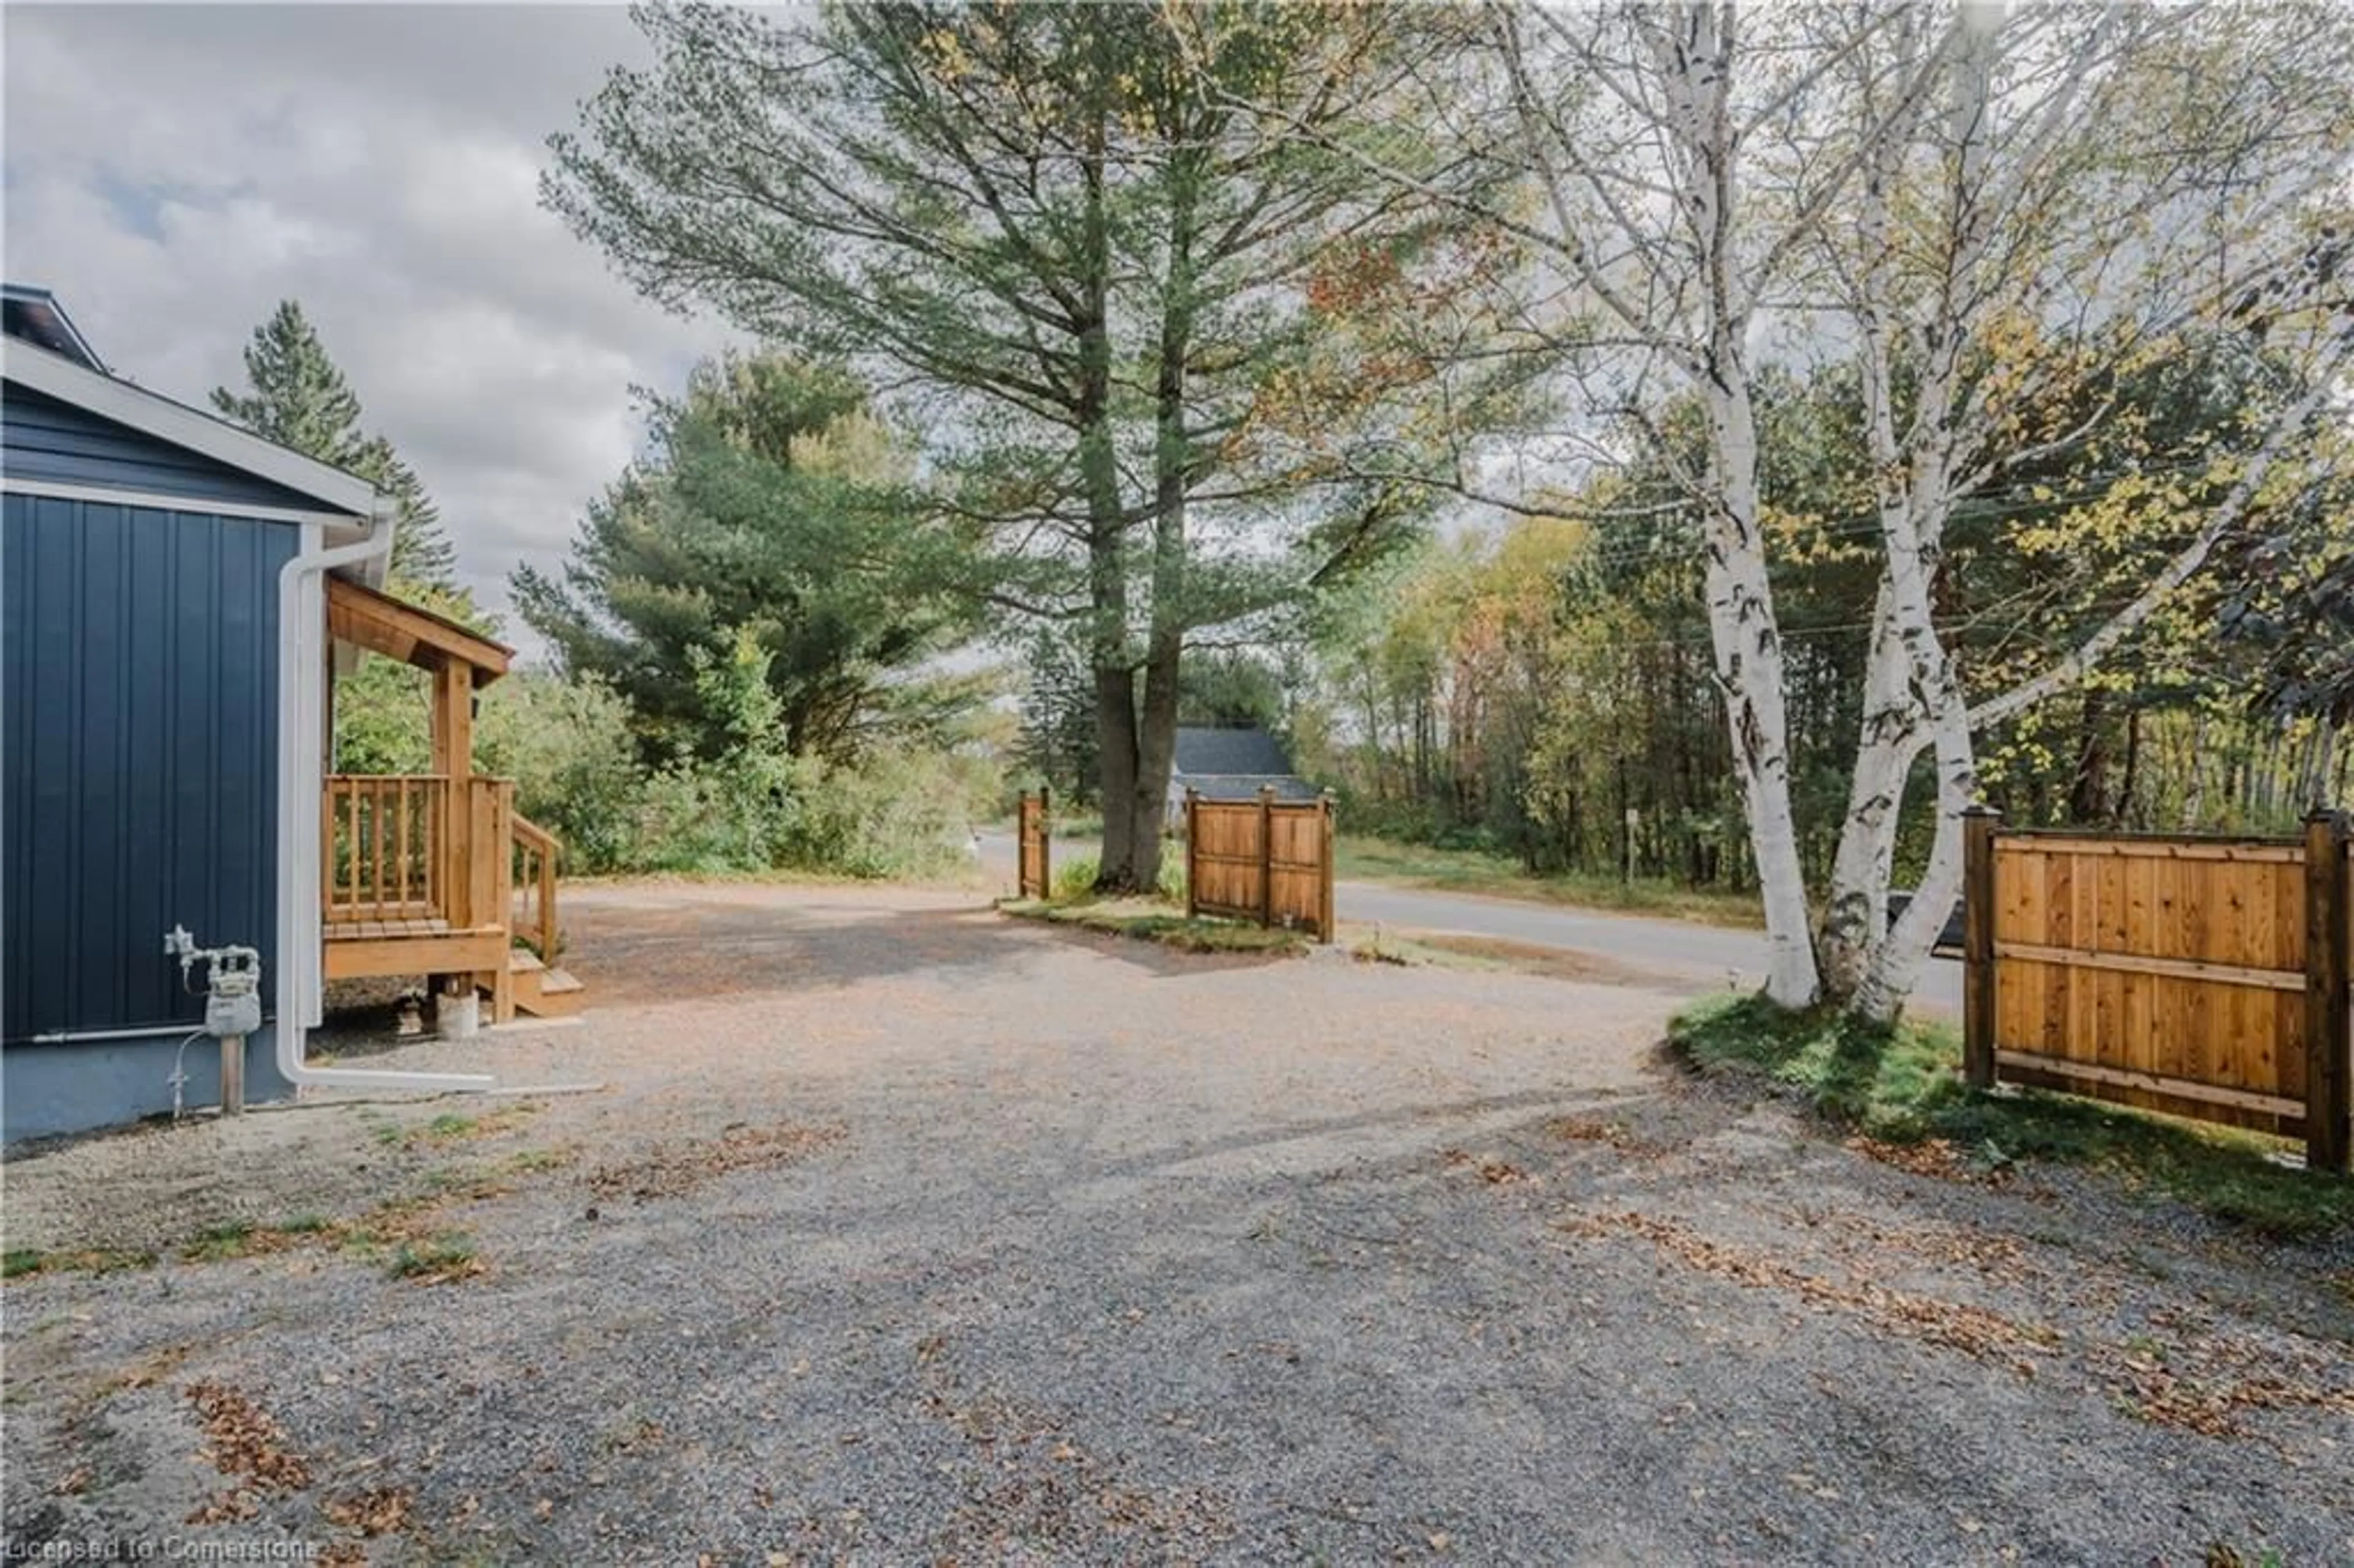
414, 847
533, 915
383, 844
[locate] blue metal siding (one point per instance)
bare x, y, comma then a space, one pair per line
138, 718
44, 440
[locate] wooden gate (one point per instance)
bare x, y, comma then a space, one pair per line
1034, 846
2201, 977
1265, 860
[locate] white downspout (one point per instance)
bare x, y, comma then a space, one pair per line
302, 655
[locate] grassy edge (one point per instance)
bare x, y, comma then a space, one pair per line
1364, 858
1148, 920
1901, 1085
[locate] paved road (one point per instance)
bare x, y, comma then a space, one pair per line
1709, 955
1682, 946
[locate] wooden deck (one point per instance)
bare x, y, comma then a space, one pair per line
354, 952
434, 874
433, 877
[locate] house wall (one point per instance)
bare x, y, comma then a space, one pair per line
138, 789
76, 1087
44, 440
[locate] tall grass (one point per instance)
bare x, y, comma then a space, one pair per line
1075, 878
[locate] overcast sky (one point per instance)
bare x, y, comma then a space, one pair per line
174, 172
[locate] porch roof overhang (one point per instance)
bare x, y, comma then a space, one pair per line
380, 623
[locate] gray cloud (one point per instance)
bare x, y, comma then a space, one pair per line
173, 171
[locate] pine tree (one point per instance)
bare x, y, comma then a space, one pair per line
297, 398
1055, 226
770, 504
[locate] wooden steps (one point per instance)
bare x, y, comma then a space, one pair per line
540, 990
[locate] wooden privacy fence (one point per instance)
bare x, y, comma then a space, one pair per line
2201, 977
1265, 860
1034, 846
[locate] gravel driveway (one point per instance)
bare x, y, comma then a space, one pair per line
901, 1232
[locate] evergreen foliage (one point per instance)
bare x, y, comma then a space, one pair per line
295, 395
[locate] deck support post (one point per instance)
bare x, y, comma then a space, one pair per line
232, 1075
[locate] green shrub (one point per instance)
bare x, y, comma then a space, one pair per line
571, 746
894, 812
568, 746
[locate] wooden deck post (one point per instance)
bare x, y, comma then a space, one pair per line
454, 759
1192, 866
1980, 824
2328, 1006
1045, 846
232, 1085
1266, 855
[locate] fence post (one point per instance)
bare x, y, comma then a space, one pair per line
1045, 847
1979, 826
1325, 921
2329, 1009
1266, 855
1192, 866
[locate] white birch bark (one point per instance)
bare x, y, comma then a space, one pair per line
1914, 513
1855, 909
1695, 52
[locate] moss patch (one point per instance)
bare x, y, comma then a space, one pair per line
1902, 1084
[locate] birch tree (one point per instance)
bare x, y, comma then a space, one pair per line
1973, 206
1655, 252
2006, 240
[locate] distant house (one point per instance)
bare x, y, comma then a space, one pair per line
1230, 763
175, 596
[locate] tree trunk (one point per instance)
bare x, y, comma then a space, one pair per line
1748, 647
1695, 47
1156, 750
1855, 917
2088, 792
1109, 652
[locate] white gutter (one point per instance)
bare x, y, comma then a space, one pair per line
302, 670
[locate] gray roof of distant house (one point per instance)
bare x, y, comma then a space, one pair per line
1208, 750
1246, 786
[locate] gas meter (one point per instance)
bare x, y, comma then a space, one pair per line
232, 983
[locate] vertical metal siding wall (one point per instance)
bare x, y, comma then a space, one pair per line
53, 442
140, 674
